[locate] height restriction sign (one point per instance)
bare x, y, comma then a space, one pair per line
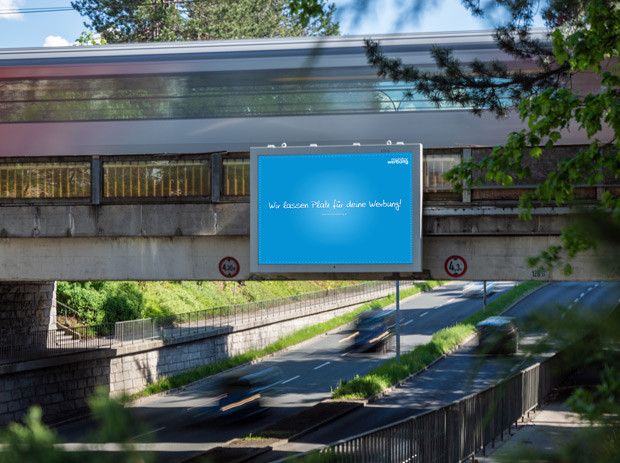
455, 266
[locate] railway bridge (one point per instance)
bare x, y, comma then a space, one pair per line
132, 161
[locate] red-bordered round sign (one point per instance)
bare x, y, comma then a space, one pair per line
229, 267
455, 266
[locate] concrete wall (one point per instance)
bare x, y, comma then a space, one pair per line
233, 219
187, 242
86, 220
60, 385
489, 256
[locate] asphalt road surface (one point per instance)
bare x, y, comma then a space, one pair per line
182, 424
465, 371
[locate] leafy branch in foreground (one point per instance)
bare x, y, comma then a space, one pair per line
581, 43
35, 442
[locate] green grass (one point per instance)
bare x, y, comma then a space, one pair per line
93, 300
182, 379
168, 297
443, 341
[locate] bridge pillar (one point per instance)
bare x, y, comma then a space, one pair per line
27, 312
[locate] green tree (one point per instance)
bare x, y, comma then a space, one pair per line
119, 21
89, 38
124, 302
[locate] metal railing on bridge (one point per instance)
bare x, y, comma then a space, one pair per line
68, 339
452, 433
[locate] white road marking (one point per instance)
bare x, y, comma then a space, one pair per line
148, 432
407, 322
266, 387
421, 315
582, 294
321, 365
576, 300
290, 379
590, 288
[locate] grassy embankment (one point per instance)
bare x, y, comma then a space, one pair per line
107, 302
195, 374
443, 341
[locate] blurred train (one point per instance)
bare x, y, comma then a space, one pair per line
225, 96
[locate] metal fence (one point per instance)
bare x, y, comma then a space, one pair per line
253, 314
455, 432
64, 339
23, 345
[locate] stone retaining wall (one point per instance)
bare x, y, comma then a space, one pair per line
27, 308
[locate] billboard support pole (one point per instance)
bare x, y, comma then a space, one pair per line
398, 320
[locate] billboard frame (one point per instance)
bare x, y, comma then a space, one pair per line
416, 168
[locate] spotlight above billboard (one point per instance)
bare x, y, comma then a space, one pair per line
327, 209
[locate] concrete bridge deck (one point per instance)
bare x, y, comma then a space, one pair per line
187, 242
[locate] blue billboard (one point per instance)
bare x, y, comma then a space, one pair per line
336, 210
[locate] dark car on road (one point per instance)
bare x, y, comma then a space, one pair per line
374, 330
241, 392
498, 335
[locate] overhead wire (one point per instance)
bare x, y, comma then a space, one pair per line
47, 9
56, 9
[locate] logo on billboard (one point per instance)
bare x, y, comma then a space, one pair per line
404, 161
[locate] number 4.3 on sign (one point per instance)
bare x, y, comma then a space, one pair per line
455, 266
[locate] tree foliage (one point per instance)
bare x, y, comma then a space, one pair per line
121, 21
582, 36
34, 442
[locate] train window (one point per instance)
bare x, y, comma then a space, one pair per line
235, 177
43, 180
206, 95
435, 166
189, 178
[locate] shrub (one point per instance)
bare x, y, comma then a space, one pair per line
124, 302
84, 298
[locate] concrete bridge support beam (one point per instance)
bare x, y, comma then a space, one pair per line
27, 312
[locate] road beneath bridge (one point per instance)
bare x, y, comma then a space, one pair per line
181, 423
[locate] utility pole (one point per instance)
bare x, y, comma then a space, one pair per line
398, 320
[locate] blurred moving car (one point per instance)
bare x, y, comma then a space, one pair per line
374, 329
498, 335
476, 289
241, 392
